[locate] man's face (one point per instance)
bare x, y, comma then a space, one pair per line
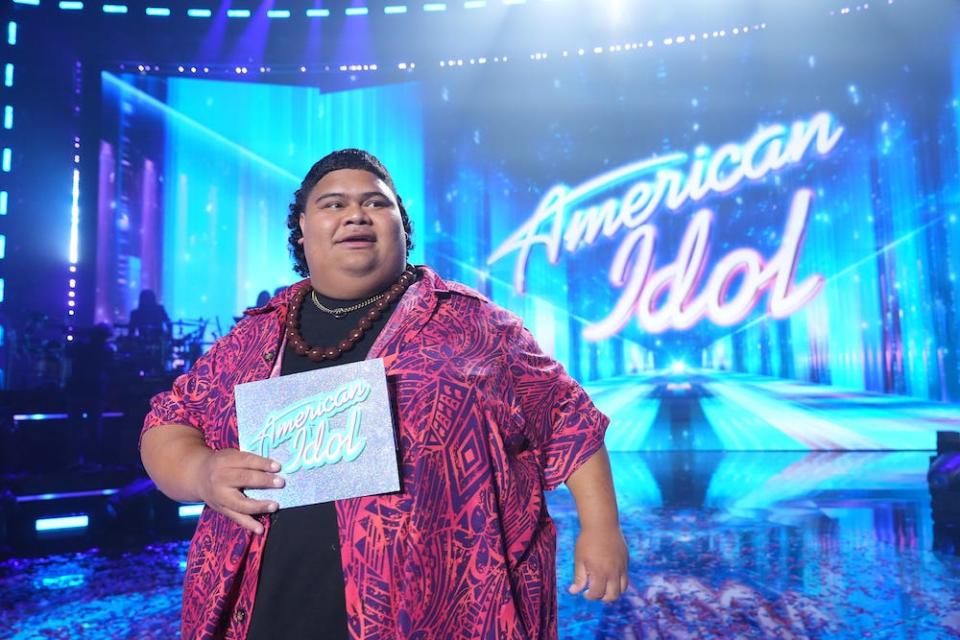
352, 229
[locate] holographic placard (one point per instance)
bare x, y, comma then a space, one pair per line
331, 430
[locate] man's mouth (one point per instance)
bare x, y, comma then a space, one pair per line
358, 239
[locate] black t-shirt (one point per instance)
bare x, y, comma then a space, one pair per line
300, 592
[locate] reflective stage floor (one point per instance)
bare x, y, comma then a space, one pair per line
723, 545
723, 411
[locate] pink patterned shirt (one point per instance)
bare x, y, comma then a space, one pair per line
486, 423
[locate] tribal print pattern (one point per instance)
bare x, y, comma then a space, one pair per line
485, 423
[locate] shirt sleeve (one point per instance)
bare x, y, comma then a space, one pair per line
560, 417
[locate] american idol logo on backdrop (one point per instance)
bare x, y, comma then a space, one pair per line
681, 294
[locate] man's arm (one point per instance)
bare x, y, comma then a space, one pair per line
600, 557
184, 468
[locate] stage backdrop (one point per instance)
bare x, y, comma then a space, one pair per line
702, 214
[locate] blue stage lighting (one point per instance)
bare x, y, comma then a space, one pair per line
679, 367
3, 247
28, 417
11, 33
69, 581
396, 8
190, 510
8, 75
199, 13
435, 6
161, 12
8, 117
3, 203
7, 159
318, 13
64, 522
357, 11
238, 13
278, 13
41, 497
114, 8
71, 5
35, 3
475, 4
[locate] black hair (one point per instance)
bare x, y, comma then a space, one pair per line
335, 161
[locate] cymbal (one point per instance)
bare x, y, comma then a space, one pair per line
199, 322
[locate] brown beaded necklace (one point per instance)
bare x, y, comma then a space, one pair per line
318, 354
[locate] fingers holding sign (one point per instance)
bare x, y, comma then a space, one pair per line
225, 473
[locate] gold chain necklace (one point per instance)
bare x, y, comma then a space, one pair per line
339, 312
318, 353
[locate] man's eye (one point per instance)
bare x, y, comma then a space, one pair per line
379, 203
333, 205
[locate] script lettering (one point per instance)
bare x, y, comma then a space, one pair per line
570, 219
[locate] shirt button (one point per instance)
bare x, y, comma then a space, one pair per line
269, 356
240, 614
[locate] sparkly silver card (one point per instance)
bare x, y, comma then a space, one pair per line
330, 429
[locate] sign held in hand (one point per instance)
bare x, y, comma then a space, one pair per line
331, 430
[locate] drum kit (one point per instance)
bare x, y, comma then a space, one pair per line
164, 350
44, 358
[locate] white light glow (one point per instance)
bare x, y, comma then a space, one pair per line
65, 522
75, 219
190, 510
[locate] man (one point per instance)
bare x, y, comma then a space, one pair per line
485, 423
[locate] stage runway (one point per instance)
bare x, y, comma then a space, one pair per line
791, 543
743, 544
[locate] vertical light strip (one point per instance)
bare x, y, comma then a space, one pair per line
8, 117
75, 218
7, 161
3, 203
8, 75
11, 33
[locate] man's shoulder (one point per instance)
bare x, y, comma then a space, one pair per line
469, 300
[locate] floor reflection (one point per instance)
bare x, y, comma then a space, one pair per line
771, 545
723, 545
713, 411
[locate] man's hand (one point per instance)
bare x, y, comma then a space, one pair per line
185, 469
600, 564
224, 474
